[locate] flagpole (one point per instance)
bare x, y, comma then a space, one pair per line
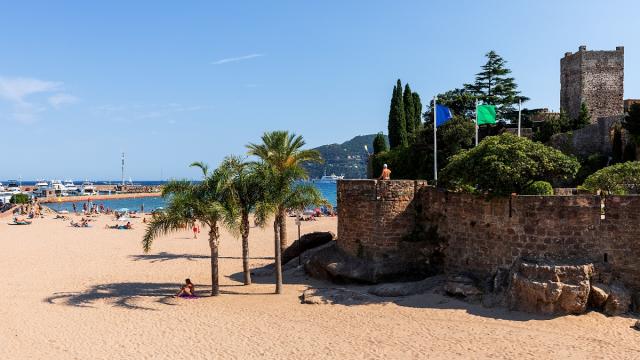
435, 146
476, 122
519, 114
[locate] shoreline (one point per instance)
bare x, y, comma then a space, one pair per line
84, 198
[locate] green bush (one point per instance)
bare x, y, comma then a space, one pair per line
618, 179
538, 188
507, 164
19, 199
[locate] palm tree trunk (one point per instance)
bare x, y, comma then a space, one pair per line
283, 230
245, 248
278, 263
213, 244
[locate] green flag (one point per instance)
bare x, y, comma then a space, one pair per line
486, 114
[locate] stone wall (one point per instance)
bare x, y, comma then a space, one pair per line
481, 235
595, 78
591, 139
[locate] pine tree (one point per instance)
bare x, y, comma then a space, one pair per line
379, 144
417, 104
494, 86
632, 123
409, 109
397, 124
583, 118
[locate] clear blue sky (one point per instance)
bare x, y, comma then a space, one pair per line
173, 82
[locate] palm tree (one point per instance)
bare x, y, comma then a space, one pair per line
283, 151
242, 183
188, 203
280, 167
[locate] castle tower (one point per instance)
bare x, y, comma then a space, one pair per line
595, 78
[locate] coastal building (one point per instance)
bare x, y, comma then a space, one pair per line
595, 78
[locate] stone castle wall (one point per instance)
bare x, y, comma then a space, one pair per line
481, 235
595, 78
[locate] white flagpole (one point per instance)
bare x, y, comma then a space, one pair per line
435, 146
476, 122
519, 114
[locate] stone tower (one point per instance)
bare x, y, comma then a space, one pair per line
595, 78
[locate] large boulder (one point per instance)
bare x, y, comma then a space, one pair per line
328, 262
407, 288
306, 242
545, 287
462, 286
598, 295
618, 301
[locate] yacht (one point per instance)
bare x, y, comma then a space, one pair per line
330, 178
58, 188
72, 189
1, 187
87, 188
13, 186
40, 188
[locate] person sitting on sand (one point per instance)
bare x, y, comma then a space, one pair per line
187, 290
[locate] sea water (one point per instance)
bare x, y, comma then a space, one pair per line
328, 190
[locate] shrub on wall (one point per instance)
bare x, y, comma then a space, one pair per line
538, 188
19, 199
618, 179
507, 164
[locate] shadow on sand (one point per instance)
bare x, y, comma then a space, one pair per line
165, 256
125, 295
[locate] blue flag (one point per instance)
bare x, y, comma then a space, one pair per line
443, 114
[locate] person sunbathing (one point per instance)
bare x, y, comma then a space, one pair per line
128, 226
23, 221
187, 290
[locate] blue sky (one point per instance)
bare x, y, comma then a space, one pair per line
173, 82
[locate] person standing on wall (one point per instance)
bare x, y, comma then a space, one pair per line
386, 173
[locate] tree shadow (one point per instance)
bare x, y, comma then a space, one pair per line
124, 295
165, 256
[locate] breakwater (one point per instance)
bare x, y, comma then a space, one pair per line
84, 198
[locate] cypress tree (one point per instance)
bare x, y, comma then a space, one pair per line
379, 144
632, 123
583, 119
409, 109
417, 112
397, 124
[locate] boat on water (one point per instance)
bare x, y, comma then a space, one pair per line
13, 186
40, 188
330, 178
72, 189
58, 188
88, 188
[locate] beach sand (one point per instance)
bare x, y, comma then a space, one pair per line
76, 293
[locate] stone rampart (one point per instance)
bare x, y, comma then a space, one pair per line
481, 234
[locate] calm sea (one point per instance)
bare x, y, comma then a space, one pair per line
328, 190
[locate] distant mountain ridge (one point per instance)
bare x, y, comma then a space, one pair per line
348, 159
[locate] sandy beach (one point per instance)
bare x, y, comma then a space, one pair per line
91, 293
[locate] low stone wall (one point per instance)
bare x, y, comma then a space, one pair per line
480, 235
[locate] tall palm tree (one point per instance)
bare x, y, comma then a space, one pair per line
281, 157
283, 152
188, 203
243, 185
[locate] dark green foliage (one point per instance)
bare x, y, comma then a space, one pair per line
589, 165
460, 101
632, 123
397, 122
379, 143
494, 86
506, 164
417, 113
629, 153
617, 147
538, 188
553, 125
618, 179
583, 118
409, 112
19, 199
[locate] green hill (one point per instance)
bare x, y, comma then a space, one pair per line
348, 159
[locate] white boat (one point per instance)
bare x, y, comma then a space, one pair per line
41, 188
72, 189
330, 178
1, 187
87, 188
13, 186
58, 188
